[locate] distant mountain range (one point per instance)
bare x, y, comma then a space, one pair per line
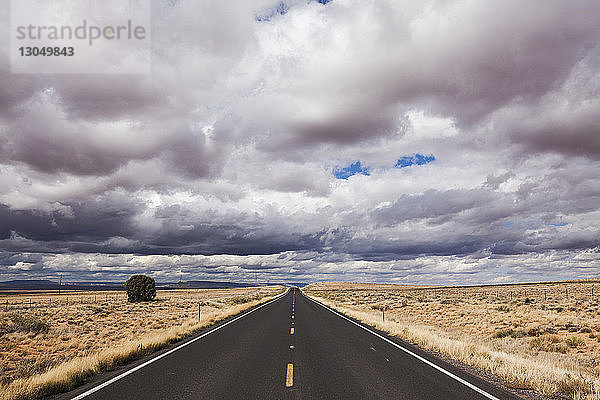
51, 285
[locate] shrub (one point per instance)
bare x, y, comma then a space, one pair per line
25, 323
140, 288
502, 333
574, 341
550, 343
239, 300
534, 332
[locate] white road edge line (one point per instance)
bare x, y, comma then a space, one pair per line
131, 371
418, 357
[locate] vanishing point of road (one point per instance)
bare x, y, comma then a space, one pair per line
290, 348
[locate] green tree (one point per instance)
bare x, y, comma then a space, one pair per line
140, 288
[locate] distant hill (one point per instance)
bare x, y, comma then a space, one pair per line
40, 284
201, 285
22, 284
29, 284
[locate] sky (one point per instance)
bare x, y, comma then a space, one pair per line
431, 142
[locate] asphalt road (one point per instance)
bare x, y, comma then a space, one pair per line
293, 348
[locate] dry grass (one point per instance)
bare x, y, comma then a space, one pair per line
83, 339
540, 336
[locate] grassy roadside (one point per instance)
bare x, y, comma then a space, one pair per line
68, 375
541, 372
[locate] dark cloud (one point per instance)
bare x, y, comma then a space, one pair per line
219, 163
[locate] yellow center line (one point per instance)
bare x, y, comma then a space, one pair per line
291, 331
289, 377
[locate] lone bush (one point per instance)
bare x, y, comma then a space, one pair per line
140, 288
574, 341
25, 323
548, 342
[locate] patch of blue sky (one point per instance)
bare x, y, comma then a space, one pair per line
281, 8
527, 225
558, 224
415, 159
353, 169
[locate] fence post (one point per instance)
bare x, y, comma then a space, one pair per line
198, 312
383, 313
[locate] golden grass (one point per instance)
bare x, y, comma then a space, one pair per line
107, 352
549, 332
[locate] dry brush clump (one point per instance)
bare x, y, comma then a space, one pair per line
23, 323
86, 339
544, 336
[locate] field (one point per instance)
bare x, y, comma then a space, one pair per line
49, 342
543, 337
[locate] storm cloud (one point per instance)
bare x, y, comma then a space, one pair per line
224, 161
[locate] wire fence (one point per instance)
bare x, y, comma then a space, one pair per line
37, 302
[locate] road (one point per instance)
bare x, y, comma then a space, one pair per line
293, 348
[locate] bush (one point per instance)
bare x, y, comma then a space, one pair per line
574, 341
140, 288
239, 299
550, 343
534, 332
25, 323
502, 333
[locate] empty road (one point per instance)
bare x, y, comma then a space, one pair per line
292, 348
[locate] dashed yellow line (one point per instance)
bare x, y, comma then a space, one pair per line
289, 377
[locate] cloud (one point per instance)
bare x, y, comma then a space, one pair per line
302, 267
241, 149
